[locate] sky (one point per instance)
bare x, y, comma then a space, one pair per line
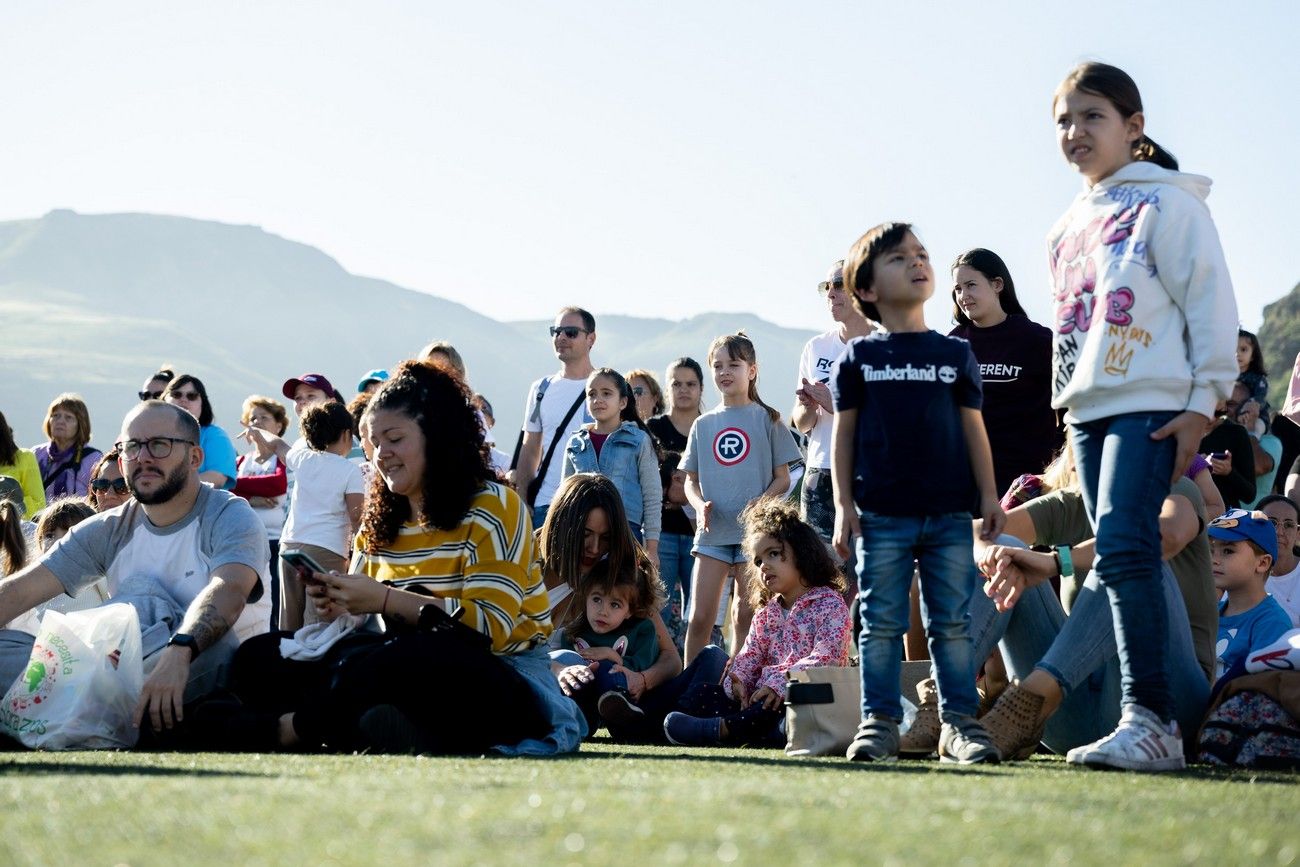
652, 159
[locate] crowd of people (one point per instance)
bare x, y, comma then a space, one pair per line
1085, 526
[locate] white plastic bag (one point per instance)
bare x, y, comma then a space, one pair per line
82, 682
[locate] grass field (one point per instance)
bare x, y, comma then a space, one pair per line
635, 806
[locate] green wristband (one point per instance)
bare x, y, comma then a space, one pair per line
1065, 561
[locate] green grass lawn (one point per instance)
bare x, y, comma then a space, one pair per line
634, 806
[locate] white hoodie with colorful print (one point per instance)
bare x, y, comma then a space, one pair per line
1145, 317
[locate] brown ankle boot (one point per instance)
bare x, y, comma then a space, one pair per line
1013, 723
922, 738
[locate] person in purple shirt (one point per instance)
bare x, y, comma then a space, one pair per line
67, 459
1015, 360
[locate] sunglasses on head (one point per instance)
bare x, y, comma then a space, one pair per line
149, 395
569, 331
103, 486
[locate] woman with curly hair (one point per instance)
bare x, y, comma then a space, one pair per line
439, 534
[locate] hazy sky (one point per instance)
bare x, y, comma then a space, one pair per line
657, 159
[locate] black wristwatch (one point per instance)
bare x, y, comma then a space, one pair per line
181, 639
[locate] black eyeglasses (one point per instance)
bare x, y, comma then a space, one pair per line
824, 287
103, 486
159, 447
149, 395
569, 331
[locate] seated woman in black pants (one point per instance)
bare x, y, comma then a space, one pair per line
439, 537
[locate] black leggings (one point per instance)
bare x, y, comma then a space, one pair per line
464, 700
754, 725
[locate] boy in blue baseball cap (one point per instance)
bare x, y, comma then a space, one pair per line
1243, 546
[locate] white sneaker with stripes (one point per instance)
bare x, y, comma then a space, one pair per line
1140, 743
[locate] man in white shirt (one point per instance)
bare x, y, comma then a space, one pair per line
551, 400
204, 546
814, 411
1283, 582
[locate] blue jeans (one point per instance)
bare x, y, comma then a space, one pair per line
675, 564
1079, 652
1125, 478
886, 550
539, 516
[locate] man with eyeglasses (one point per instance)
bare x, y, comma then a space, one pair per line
555, 409
814, 411
1283, 582
204, 547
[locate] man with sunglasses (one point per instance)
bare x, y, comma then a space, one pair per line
204, 547
555, 409
814, 411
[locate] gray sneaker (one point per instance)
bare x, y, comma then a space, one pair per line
967, 743
876, 741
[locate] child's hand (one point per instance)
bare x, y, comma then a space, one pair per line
767, 697
594, 654
847, 525
574, 677
1187, 428
994, 518
636, 684
738, 691
702, 517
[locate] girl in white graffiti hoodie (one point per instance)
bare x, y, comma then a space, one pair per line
1144, 349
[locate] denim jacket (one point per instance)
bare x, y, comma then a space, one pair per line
628, 460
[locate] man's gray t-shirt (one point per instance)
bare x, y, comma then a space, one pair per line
122, 543
734, 450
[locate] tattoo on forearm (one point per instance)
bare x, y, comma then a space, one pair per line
207, 626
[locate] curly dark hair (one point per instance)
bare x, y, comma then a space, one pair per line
456, 462
768, 516
323, 423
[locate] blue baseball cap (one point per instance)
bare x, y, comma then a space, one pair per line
1236, 525
376, 375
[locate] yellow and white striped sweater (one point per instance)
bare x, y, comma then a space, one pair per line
487, 565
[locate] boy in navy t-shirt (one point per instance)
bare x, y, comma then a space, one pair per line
911, 463
1243, 546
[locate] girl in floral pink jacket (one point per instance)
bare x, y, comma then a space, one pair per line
801, 622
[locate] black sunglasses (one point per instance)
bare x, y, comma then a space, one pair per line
638, 390
102, 486
569, 331
825, 286
149, 395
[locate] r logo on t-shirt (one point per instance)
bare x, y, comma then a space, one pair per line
730, 446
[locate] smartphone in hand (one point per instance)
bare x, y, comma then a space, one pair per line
303, 564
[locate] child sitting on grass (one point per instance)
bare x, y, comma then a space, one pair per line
801, 622
1243, 546
614, 635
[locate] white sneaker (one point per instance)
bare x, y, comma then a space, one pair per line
1140, 743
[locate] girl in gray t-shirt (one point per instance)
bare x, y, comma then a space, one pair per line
734, 454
